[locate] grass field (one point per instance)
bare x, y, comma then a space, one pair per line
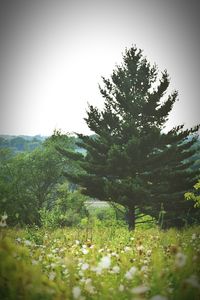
100, 263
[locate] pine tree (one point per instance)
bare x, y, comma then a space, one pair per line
130, 160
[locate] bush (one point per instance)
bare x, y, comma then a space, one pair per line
68, 210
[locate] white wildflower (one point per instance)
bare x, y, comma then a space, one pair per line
97, 269
77, 242
158, 297
129, 274
89, 287
105, 262
34, 262
193, 281
127, 249
53, 265
18, 240
121, 287
194, 236
180, 260
141, 289
50, 255
84, 267
4, 217
65, 272
27, 243
101, 250
144, 269
149, 252
140, 248
3, 222
116, 269
52, 275
76, 292
80, 273
84, 251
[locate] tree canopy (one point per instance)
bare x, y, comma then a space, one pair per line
131, 160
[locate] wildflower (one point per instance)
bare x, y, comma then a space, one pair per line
3, 220
127, 249
84, 267
4, 217
141, 289
140, 249
101, 250
55, 250
149, 252
144, 269
105, 262
18, 240
116, 269
84, 251
27, 243
53, 265
80, 273
194, 236
77, 242
76, 292
114, 254
89, 287
34, 262
65, 272
180, 260
50, 255
129, 274
121, 287
193, 281
158, 297
145, 261
97, 269
52, 275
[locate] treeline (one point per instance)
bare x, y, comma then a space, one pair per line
21, 143
33, 188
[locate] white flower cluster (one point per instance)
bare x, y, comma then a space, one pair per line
129, 274
3, 220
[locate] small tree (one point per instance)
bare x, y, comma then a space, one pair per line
130, 160
194, 196
29, 181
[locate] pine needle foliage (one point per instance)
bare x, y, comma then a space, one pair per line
131, 160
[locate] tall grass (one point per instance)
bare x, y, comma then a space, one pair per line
100, 263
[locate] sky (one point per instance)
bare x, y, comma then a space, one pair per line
53, 54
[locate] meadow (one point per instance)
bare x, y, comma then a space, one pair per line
100, 263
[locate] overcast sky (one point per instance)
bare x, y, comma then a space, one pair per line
53, 54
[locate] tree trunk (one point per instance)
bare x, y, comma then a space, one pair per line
130, 217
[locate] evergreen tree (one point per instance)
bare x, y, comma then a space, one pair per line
130, 160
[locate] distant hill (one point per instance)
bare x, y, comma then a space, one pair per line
21, 143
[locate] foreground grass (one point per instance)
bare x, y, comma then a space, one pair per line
103, 263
